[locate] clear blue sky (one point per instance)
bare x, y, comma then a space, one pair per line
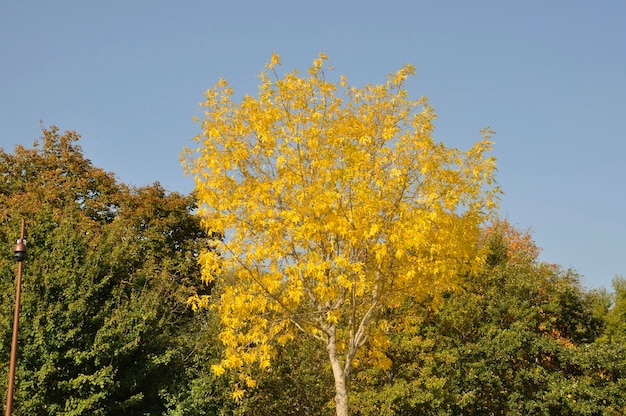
548, 76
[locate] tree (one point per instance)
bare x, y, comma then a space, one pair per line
108, 273
519, 339
335, 202
296, 385
615, 315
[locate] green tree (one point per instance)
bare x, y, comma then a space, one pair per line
615, 314
298, 383
519, 340
108, 272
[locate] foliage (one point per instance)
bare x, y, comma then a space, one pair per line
298, 383
520, 339
615, 315
201, 392
335, 203
108, 272
105, 329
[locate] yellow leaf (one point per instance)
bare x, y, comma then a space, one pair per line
218, 370
334, 202
238, 394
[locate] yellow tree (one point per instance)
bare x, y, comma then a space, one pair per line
334, 203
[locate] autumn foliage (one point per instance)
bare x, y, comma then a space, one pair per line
334, 202
425, 308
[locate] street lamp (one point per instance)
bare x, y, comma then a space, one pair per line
20, 254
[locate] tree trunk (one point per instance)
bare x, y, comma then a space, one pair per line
341, 382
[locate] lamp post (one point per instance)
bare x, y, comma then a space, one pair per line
20, 255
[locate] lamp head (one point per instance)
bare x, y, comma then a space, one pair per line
20, 250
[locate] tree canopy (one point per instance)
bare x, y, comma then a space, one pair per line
105, 328
519, 339
340, 246
108, 273
334, 203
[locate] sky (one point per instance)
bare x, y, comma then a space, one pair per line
548, 76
